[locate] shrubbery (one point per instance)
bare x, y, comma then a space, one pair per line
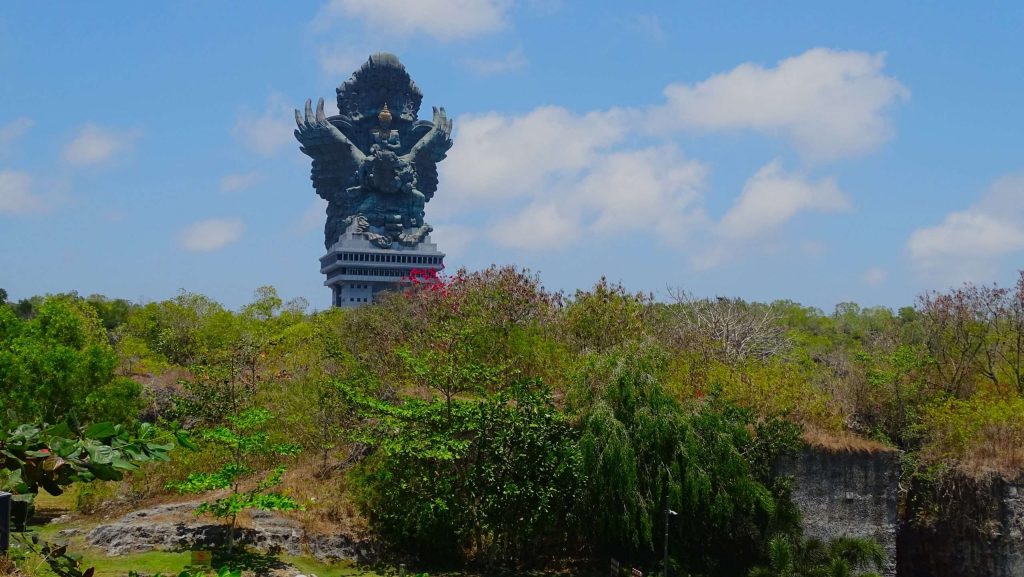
481, 418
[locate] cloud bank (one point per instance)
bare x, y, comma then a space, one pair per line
210, 235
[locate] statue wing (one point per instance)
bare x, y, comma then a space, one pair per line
431, 148
335, 157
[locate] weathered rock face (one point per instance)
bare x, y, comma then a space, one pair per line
847, 494
964, 528
173, 527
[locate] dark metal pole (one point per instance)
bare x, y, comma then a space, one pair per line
667, 510
5, 522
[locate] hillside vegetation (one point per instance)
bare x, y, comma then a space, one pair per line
479, 420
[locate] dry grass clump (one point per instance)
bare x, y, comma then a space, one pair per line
328, 501
842, 441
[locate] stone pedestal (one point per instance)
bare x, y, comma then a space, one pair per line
357, 270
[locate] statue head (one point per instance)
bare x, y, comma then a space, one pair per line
382, 78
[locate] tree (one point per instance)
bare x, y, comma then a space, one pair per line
729, 329
644, 451
605, 316
34, 457
59, 365
238, 442
494, 477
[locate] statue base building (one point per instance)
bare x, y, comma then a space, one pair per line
358, 271
375, 163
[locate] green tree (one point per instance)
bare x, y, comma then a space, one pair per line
644, 451
496, 478
237, 443
605, 316
59, 365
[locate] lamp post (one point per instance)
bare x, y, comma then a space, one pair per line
669, 513
5, 522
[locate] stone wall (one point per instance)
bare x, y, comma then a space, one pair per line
964, 528
847, 494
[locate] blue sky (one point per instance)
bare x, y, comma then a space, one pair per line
804, 150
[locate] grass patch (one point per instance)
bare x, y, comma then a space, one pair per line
309, 565
151, 562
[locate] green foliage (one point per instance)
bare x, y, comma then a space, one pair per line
222, 572
643, 451
605, 316
61, 561
494, 477
652, 405
240, 440
53, 457
979, 434
59, 365
843, 557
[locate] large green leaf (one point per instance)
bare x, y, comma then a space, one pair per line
100, 454
101, 431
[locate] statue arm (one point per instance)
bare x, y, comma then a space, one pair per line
437, 141
316, 133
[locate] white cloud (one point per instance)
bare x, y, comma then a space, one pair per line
541, 225
772, 197
340, 60
510, 62
651, 188
441, 19
875, 276
95, 145
266, 133
453, 238
830, 104
211, 234
968, 244
13, 131
563, 176
499, 156
239, 182
16, 196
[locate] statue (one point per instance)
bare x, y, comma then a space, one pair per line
375, 163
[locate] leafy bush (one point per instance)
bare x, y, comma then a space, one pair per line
240, 441
644, 452
492, 478
981, 434
59, 365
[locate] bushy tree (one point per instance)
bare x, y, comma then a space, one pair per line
238, 443
644, 451
59, 365
494, 479
605, 316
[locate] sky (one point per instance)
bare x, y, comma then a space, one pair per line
818, 152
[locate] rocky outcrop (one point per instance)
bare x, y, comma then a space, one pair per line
964, 527
847, 494
174, 527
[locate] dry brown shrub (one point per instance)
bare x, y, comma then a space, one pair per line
842, 441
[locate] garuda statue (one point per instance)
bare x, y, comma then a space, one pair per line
375, 163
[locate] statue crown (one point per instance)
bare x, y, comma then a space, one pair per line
385, 115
